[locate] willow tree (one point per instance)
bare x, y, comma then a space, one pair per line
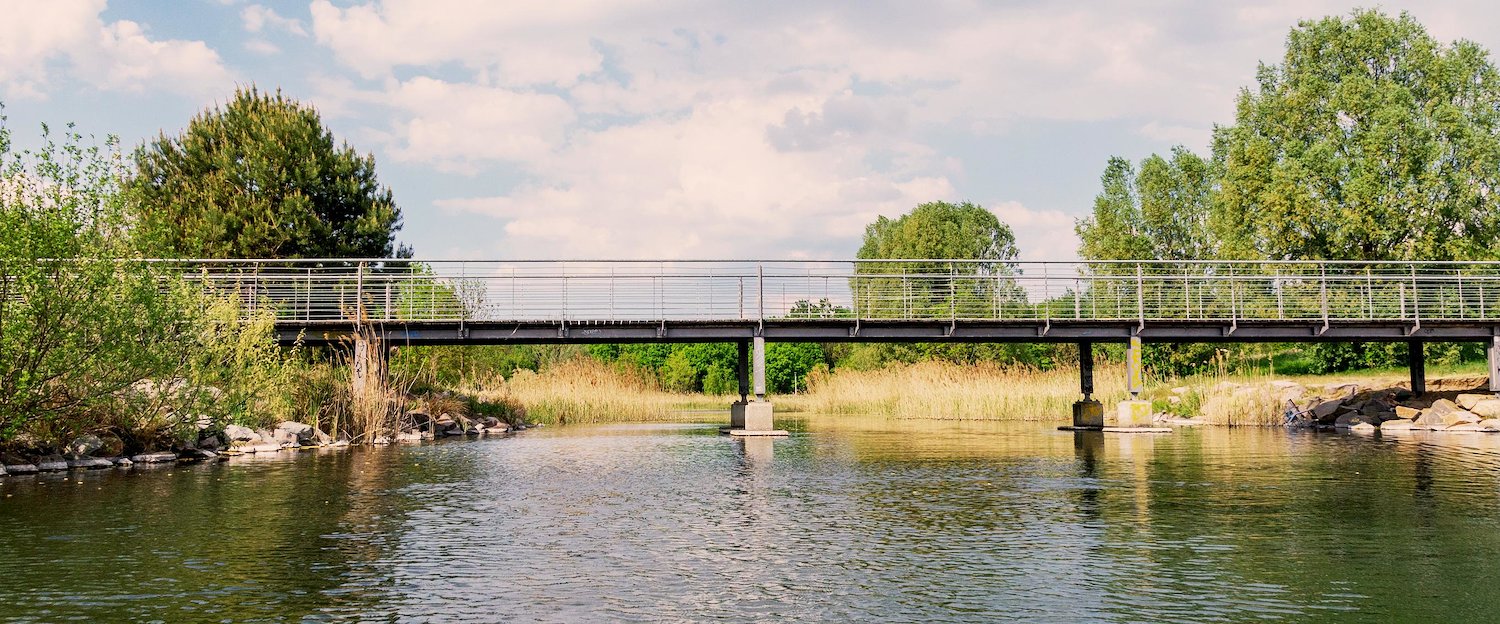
261, 177
1370, 141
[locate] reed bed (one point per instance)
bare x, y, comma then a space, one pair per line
584, 390
942, 390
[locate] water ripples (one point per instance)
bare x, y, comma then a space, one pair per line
847, 520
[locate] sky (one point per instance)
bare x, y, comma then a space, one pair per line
665, 129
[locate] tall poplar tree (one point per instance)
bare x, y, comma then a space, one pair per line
261, 177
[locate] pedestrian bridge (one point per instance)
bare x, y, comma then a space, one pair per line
499, 302
397, 303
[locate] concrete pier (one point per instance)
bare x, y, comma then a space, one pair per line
1087, 413
752, 417
1416, 364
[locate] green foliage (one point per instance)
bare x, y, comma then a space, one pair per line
1161, 213
720, 379
678, 374
788, 363
936, 230
1370, 141
92, 341
940, 230
262, 178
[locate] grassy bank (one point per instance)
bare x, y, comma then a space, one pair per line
942, 390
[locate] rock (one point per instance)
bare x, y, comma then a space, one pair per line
1407, 413
154, 458
82, 446
1442, 406
1346, 389
301, 433
264, 447
20, 469
322, 439
1468, 426
199, 455
1174, 400
1429, 419
2, 470
1493, 423
1326, 409
1348, 420
339, 444
1458, 417
124, 462
427, 435
1364, 427
1487, 408
52, 463
1467, 401
381, 440
210, 443
236, 433
409, 436
90, 463
1397, 424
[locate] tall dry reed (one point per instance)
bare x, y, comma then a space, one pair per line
584, 390
942, 390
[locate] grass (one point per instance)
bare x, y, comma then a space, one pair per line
584, 390
942, 390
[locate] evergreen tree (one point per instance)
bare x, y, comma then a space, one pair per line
261, 177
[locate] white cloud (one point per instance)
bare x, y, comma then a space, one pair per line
1040, 234
460, 127
262, 47
258, 17
41, 41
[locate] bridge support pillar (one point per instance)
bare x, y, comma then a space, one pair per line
1494, 352
752, 417
1087, 413
1416, 364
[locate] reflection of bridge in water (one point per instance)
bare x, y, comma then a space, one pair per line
411, 302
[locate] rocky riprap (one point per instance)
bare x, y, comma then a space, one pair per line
1355, 407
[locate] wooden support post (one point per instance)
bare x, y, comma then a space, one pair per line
1416, 363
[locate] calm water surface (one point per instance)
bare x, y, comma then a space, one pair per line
846, 520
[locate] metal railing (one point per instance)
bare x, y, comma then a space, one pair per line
710, 290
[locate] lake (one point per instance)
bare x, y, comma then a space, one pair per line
847, 519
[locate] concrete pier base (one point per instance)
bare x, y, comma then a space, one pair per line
752, 418
1088, 414
1133, 413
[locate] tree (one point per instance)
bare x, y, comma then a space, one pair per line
1370, 141
262, 178
928, 285
1162, 212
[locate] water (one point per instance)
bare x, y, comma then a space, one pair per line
846, 520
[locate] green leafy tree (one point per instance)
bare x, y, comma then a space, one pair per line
1370, 141
262, 177
935, 231
1161, 212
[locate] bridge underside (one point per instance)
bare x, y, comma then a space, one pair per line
848, 330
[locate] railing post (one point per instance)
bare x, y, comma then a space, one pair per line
760, 291
359, 293
1077, 297
952, 292
1323, 291
1140, 294
1416, 297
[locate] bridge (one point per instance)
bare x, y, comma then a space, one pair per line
446, 302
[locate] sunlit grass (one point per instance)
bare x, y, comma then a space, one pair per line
942, 390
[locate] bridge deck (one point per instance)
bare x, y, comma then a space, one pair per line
453, 302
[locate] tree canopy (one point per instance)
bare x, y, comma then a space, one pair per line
1370, 141
261, 177
940, 230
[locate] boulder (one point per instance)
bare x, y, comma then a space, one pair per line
124, 462
82, 446
1467, 401
236, 433
322, 439
409, 436
1348, 420
1429, 420
381, 440
1346, 389
1396, 424
1407, 413
1493, 423
1326, 410
1442, 406
199, 455
264, 447
1488, 408
90, 463
20, 469
1468, 426
210, 443
154, 458
1180, 390
1458, 417
300, 433
1364, 427
52, 463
